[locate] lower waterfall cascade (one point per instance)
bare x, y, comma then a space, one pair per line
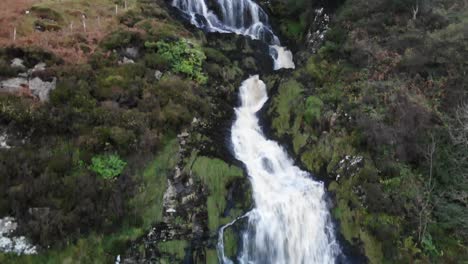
290, 222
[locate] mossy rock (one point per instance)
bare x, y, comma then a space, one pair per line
214, 55
47, 13
47, 25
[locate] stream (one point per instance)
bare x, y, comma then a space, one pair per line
290, 222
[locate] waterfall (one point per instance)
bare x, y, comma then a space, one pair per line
243, 17
291, 223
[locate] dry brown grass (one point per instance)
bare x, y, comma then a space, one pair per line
72, 43
11, 12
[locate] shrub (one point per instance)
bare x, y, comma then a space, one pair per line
107, 166
47, 13
183, 57
216, 56
313, 109
120, 39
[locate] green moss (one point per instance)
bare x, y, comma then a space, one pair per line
287, 101
211, 256
148, 200
216, 56
230, 243
176, 248
216, 175
372, 247
313, 110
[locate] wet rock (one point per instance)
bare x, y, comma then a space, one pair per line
348, 166
317, 30
249, 64
13, 244
169, 198
3, 141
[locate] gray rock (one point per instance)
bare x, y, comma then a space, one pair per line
42, 89
126, 60
3, 141
41, 66
13, 85
158, 75
11, 244
17, 63
169, 198
132, 52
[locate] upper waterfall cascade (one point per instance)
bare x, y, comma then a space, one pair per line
243, 17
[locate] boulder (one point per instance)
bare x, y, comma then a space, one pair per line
13, 244
41, 89
13, 85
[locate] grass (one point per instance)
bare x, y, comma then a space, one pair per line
148, 202
99, 248
287, 100
216, 175
175, 248
67, 38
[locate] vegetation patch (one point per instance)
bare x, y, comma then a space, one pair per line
107, 166
216, 175
181, 56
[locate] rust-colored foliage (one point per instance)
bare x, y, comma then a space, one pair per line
72, 42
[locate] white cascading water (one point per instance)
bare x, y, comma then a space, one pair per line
282, 58
290, 223
243, 17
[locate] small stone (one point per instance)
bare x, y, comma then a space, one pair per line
126, 60
17, 63
39, 67
3, 141
132, 52
158, 75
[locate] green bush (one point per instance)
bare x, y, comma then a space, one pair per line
313, 109
120, 39
107, 166
182, 56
